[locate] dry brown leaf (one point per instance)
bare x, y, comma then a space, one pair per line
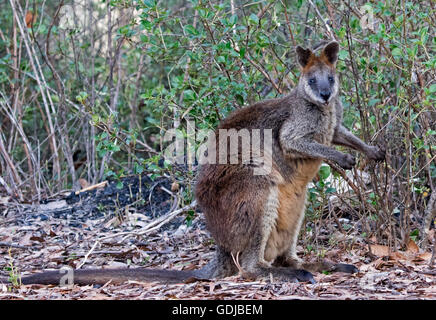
26, 240
37, 238
399, 256
384, 251
380, 250
425, 256
381, 264
412, 247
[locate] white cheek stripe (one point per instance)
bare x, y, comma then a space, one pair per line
309, 92
334, 91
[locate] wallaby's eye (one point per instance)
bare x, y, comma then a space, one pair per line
312, 80
331, 79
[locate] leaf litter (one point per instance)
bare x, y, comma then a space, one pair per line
102, 229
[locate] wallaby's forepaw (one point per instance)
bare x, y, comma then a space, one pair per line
347, 268
376, 153
347, 162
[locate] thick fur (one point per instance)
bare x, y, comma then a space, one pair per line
257, 218
260, 217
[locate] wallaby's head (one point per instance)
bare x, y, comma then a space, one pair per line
318, 80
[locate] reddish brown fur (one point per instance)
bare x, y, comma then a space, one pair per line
233, 199
292, 197
316, 62
231, 196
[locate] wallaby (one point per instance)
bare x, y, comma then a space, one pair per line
259, 217
255, 218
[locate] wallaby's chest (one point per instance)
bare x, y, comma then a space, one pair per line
325, 126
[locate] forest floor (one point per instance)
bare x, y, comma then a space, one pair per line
133, 226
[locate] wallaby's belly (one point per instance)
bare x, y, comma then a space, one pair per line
290, 211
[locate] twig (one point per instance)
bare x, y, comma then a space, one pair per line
265, 9
87, 255
159, 222
433, 253
429, 214
15, 178
95, 186
4, 184
41, 81
154, 225
12, 245
288, 24
329, 31
261, 70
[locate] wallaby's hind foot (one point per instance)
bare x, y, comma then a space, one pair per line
347, 268
323, 266
286, 274
315, 266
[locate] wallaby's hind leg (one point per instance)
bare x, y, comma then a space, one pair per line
253, 263
252, 266
220, 266
242, 220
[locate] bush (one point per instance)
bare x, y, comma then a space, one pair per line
100, 82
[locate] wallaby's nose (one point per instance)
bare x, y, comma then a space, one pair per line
325, 95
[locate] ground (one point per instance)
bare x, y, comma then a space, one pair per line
135, 225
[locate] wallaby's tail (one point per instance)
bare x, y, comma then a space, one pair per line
116, 276
220, 266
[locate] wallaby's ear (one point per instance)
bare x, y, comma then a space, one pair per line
303, 56
330, 51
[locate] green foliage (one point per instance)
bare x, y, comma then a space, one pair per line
14, 274
116, 88
320, 192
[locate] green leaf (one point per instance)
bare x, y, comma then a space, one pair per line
330, 190
343, 54
189, 95
221, 59
253, 19
150, 3
397, 52
191, 30
138, 169
239, 99
233, 19
242, 52
324, 172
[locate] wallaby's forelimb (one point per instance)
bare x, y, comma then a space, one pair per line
345, 138
307, 148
